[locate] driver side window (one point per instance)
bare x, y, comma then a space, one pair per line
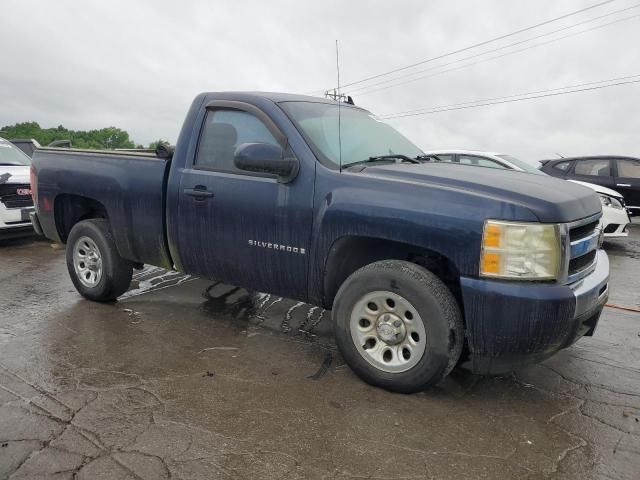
223, 131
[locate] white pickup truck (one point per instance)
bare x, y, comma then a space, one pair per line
15, 192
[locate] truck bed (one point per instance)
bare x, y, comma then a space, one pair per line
129, 185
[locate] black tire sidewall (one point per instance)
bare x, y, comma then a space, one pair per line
116, 272
436, 306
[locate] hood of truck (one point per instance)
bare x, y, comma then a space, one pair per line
550, 199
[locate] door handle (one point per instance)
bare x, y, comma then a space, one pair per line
199, 193
623, 184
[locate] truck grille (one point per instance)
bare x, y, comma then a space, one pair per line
582, 231
581, 246
577, 265
10, 197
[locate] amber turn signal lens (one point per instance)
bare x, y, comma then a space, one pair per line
490, 262
492, 235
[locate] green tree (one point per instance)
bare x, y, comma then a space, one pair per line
104, 138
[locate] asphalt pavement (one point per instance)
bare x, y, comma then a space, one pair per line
189, 379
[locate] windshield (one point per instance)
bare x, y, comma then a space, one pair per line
11, 155
361, 135
521, 164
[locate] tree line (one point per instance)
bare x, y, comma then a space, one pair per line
104, 138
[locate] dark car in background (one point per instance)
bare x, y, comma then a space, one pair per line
616, 172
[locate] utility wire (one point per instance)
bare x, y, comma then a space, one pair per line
495, 57
484, 103
495, 39
422, 110
365, 88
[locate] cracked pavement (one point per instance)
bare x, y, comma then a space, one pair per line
187, 379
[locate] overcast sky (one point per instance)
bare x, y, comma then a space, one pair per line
138, 64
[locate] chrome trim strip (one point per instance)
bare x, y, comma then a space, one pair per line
585, 245
584, 221
565, 249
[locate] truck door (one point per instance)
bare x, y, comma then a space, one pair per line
243, 228
628, 182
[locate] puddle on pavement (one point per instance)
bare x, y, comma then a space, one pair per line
255, 311
245, 310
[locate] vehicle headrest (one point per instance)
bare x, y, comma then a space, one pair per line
164, 150
223, 133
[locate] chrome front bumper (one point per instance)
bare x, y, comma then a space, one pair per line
592, 291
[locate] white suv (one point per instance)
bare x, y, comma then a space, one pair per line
15, 192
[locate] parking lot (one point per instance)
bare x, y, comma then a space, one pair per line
185, 378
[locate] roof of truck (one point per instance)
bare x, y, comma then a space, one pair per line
278, 97
291, 97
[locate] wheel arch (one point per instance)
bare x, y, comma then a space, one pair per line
70, 209
352, 252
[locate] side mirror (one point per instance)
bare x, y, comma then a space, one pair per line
266, 158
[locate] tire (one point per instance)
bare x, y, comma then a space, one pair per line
95, 266
430, 329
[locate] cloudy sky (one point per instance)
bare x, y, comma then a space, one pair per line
137, 65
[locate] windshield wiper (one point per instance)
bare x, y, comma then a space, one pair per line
402, 158
428, 158
377, 158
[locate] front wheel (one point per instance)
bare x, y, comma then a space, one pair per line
398, 326
95, 266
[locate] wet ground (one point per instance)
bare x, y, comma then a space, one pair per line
187, 379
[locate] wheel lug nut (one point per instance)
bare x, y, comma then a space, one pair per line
397, 323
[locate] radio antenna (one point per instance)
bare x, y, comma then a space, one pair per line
339, 115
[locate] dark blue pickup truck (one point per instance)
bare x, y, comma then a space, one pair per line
424, 265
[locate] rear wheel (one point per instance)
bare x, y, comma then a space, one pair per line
95, 266
398, 326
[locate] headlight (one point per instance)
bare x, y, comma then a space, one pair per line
520, 251
608, 201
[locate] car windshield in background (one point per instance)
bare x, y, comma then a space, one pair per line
361, 135
527, 167
11, 155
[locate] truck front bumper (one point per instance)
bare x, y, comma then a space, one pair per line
512, 324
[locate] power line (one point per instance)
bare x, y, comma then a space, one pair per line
495, 39
365, 89
476, 105
495, 57
508, 99
507, 96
